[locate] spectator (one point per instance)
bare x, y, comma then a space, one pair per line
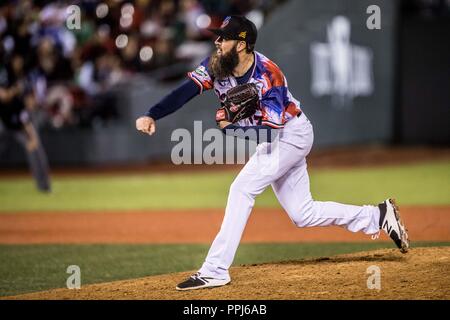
74, 71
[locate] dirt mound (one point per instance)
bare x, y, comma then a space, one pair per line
420, 274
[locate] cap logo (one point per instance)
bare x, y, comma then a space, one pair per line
225, 22
243, 34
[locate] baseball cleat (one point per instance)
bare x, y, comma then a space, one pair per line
197, 281
391, 223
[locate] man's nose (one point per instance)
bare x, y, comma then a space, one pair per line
217, 42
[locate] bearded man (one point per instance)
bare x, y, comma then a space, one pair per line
280, 163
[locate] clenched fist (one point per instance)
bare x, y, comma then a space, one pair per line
146, 125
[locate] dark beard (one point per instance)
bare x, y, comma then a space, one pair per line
223, 66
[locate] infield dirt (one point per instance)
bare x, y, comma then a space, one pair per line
425, 223
419, 274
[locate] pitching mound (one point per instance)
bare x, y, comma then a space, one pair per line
420, 274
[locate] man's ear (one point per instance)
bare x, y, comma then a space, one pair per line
242, 45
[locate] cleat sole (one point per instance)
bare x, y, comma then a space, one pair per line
403, 231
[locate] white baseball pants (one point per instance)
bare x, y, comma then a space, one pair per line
281, 164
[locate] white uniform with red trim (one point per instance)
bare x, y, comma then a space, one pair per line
280, 164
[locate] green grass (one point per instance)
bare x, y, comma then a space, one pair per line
419, 184
28, 268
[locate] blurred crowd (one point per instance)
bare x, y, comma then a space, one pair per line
67, 57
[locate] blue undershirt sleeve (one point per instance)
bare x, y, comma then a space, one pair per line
174, 100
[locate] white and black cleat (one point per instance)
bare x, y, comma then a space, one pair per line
391, 223
197, 281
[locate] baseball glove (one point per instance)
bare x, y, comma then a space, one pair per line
240, 103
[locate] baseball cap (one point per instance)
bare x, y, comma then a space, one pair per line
237, 28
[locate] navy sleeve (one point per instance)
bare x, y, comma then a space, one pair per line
260, 133
174, 100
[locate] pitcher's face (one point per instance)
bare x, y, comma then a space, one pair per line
225, 59
224, 46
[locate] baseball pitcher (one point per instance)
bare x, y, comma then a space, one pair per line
254, 96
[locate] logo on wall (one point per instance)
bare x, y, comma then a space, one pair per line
340, 68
